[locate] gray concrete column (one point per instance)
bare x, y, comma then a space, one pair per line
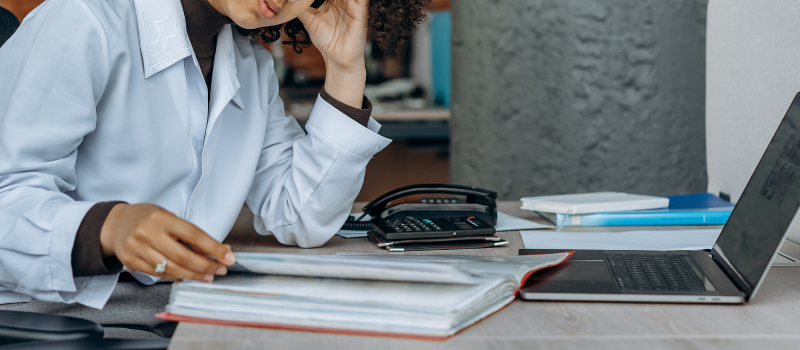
562, 96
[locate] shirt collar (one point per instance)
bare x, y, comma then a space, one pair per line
225, 84
162, 34
164, 41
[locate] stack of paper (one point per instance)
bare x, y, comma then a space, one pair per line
595, 202
423, 297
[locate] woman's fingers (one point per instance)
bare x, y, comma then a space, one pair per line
200, 242
164, 238
151, 258
182, 256
143, 235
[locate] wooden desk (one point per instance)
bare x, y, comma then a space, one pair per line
770, 320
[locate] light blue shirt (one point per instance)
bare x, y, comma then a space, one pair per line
104, 100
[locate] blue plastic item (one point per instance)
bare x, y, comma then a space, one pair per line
440, 57
690, 209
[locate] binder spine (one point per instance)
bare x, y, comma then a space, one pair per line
647, 219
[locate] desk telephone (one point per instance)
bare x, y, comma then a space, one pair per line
431, 216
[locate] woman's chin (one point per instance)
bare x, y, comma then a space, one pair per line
254, 21
248, 23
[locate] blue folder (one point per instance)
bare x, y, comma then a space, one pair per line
690, 209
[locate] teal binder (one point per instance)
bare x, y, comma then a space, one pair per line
691, 209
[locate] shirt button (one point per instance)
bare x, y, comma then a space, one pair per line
194, 143
376, 149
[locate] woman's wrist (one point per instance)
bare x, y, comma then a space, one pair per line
106, 241
346, 84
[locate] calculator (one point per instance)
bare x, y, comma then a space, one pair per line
413, 227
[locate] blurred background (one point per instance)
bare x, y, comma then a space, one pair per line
411, 96
531, 97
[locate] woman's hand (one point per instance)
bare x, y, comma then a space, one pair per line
141, 236
339, 30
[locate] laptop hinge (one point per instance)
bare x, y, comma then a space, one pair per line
738, 280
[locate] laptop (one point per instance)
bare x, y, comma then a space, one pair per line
730, 272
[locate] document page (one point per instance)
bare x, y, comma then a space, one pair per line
455, 269
336, 266
507, 222
513, 268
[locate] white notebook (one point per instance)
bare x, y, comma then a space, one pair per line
595, 202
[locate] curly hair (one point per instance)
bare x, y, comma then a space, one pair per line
391, 23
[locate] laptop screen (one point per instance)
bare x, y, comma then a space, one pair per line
768, 203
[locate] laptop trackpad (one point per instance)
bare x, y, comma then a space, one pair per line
573, 276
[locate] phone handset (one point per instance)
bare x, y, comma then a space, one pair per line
475, 197
479, 196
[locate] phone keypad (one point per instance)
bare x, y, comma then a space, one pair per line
412, 224
411, 227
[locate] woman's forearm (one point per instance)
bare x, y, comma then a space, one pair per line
346, 84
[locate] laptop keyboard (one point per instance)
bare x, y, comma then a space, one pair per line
655, 272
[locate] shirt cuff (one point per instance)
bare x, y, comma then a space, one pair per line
87, 253
333, 125
360, 115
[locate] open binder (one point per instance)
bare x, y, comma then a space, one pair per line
413, 297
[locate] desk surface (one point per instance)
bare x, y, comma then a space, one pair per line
770, 320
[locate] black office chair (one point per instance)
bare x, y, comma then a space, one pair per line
8, 25
29, 330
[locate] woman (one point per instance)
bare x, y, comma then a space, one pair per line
131, 133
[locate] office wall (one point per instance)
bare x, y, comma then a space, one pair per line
561, 96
